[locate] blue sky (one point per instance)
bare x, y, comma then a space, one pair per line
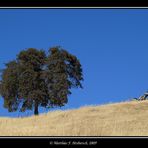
111, 44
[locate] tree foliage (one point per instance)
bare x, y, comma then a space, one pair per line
38, 79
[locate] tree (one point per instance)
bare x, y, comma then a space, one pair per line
37, 79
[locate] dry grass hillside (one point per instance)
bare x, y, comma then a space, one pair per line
120, 119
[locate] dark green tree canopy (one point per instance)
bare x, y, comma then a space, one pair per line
38, 79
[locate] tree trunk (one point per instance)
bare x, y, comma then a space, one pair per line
36, 112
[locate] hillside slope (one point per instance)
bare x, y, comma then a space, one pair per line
120, 119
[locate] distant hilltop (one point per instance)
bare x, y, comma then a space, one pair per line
143, 97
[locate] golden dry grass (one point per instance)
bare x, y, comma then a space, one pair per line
120, 119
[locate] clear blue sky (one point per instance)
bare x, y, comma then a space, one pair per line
112, 45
